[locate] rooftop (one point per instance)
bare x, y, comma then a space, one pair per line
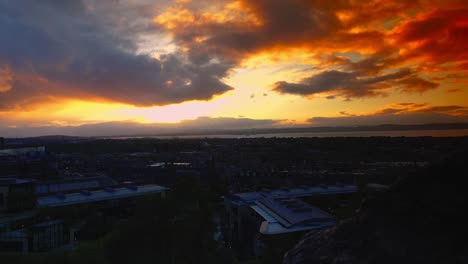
23, 151
74, 184
11, 181
97, 196
252, 197
292, 211
285, 215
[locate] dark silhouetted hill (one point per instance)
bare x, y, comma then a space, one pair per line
422, 219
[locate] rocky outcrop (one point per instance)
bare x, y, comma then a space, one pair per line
420, 220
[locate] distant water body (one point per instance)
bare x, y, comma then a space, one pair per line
403, 133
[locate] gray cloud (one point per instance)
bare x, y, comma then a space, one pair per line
88, 49
352, 84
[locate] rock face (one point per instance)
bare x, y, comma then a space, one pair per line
422, 219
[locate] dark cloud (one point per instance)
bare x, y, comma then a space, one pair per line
264, 25
453, 90
88, 49
355, 84
415, 83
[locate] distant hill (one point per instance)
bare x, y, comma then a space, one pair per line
120, 130
43, 140
384, 127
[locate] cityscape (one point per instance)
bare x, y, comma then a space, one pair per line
245, 200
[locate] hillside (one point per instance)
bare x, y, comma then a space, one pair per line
420, 220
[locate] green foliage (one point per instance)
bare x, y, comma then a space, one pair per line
177, 229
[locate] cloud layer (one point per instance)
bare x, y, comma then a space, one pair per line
75, 49
160, 52
92, 49
396, 50
402, 114
356, 84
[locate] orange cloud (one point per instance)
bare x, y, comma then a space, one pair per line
399, 113
406, 108
240, 29
434, 38
452, 90
6, 79
389, 39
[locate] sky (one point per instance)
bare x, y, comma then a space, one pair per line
89, 67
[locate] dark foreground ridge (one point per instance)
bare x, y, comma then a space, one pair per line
422, 219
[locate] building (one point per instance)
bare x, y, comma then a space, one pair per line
38, 238
25, 152
16, 194
27, 162
286, 215
47, 235
252, 217
36, 224
74, 184
108, 194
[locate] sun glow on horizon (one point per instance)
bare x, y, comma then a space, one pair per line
181, 60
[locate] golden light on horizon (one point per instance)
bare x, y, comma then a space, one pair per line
182, 60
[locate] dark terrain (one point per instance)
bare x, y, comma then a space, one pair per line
422, 219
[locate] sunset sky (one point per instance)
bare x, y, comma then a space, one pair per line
66, 66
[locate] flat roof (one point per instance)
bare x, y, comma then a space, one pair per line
96, 196
48, 223
251, 197
11, 181
293, 212
22, 151
268, 217
73, 184
271, 226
